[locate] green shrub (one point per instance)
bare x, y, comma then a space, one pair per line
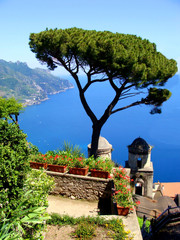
33, 149
114, 226
23, 193
14, 164
30, 213
148, 223
23, 222
72, 149
40, 184
60, 220
85, 231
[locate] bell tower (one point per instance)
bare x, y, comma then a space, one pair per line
139, 161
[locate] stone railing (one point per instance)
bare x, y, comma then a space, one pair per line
81, 187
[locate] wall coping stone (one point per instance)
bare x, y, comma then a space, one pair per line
78, 176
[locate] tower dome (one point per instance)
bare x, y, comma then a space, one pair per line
104, 148
139, 146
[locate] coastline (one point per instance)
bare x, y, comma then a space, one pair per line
30, 102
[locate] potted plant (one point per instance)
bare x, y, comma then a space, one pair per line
38, 161
123, 200
122, 195
58, 163
78, 166
100, 167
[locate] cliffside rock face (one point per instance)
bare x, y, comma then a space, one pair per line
29, 85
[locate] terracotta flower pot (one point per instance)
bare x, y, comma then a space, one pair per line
38, 165
57, 168
122, 211
78, 171
99, 173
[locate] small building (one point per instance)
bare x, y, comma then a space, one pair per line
170, 189
139, 161
104, 148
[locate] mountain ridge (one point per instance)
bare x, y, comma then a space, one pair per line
29, 86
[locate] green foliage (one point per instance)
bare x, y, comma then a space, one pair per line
148, 223
156, 97
122, 195
78, 162
71, 156
59, 220
27, 216
38, 157
14, 165
61, 160
114, 226
12, 136
100, 164
121, 55
24, 222
117, 228
85, 231
33, 149
23, 194
40, 184
9, 108
72, 149
68, 150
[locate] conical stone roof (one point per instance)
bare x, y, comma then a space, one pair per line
103, 144
139, 146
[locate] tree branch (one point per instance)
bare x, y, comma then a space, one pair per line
130, 86
81, 93
128, 106
93, 81
16, 117
77, 65
128, 95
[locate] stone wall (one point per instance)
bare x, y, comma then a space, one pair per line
81, 187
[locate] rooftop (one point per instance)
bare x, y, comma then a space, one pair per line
170, 189
139, 146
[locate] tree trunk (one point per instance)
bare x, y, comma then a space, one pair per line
95, 138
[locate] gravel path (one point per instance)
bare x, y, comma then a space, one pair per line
73, 208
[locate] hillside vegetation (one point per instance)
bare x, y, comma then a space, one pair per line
28, 85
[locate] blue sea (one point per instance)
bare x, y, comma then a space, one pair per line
62, 118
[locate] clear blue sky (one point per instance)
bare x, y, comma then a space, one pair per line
156, 20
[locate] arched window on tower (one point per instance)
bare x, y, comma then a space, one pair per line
139, 186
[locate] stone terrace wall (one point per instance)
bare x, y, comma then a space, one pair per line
81, 187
